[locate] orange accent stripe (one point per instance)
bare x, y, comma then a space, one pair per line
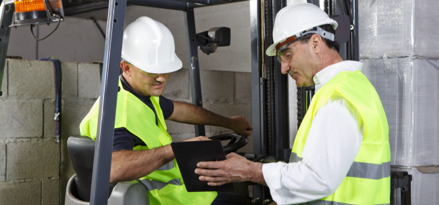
292, 38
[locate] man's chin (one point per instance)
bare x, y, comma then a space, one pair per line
157, 93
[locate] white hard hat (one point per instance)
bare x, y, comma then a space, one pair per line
297, 18
149, 45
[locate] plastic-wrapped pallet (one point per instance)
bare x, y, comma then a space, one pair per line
409, 91
424, 185
399, 28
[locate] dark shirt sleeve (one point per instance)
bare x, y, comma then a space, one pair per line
123, 139
167, 107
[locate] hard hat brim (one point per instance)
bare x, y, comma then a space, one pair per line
163, 68
271, 51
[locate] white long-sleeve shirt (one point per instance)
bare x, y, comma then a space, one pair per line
333, 142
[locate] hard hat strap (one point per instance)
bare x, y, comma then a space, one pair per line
294, 38
321, 32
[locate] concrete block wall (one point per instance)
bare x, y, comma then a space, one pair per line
34, 168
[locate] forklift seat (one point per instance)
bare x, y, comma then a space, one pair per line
81, 151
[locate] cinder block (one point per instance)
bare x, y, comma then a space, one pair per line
50, 193
28, 193
177, 86
31, 79
230, 110
217, 85
179, 128
21, 118
2, 161
69, 85
89, 80
28, 159
73, 113
49, 115
243, 87
4, 86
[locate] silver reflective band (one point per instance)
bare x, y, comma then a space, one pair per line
294, 157
167, 166
153, 184
320, 202
369, 171
321, 32
360, 169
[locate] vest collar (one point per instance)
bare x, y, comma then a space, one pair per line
326, 74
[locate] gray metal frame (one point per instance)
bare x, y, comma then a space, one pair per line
194, 70
257, 85
107, 106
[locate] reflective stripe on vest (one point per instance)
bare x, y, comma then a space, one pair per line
167, 166
360, 169
153, 184
368, 179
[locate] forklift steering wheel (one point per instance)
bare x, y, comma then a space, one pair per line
236, 141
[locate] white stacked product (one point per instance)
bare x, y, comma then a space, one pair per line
409, 91
399, 49
398, 28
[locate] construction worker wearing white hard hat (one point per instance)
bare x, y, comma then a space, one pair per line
141, 149
341, 153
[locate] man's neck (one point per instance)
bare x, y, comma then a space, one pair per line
330, 58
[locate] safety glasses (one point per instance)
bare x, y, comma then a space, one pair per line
148, 74
282, 49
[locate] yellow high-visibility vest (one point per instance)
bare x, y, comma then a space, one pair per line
165, 185
368, 180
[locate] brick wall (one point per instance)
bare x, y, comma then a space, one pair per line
34, 168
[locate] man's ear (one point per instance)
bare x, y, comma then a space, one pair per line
316, 43
125, 68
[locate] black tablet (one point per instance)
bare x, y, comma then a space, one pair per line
188, 154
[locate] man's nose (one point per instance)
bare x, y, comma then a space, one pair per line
161, 77
285, 67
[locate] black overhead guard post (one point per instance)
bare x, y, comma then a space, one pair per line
281, 106
7, 9
107, 106
194, 70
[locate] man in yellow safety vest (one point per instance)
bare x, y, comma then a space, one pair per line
141, 149
341, 154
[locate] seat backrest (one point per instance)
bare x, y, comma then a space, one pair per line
81, 151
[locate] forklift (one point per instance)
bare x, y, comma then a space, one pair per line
270, 113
